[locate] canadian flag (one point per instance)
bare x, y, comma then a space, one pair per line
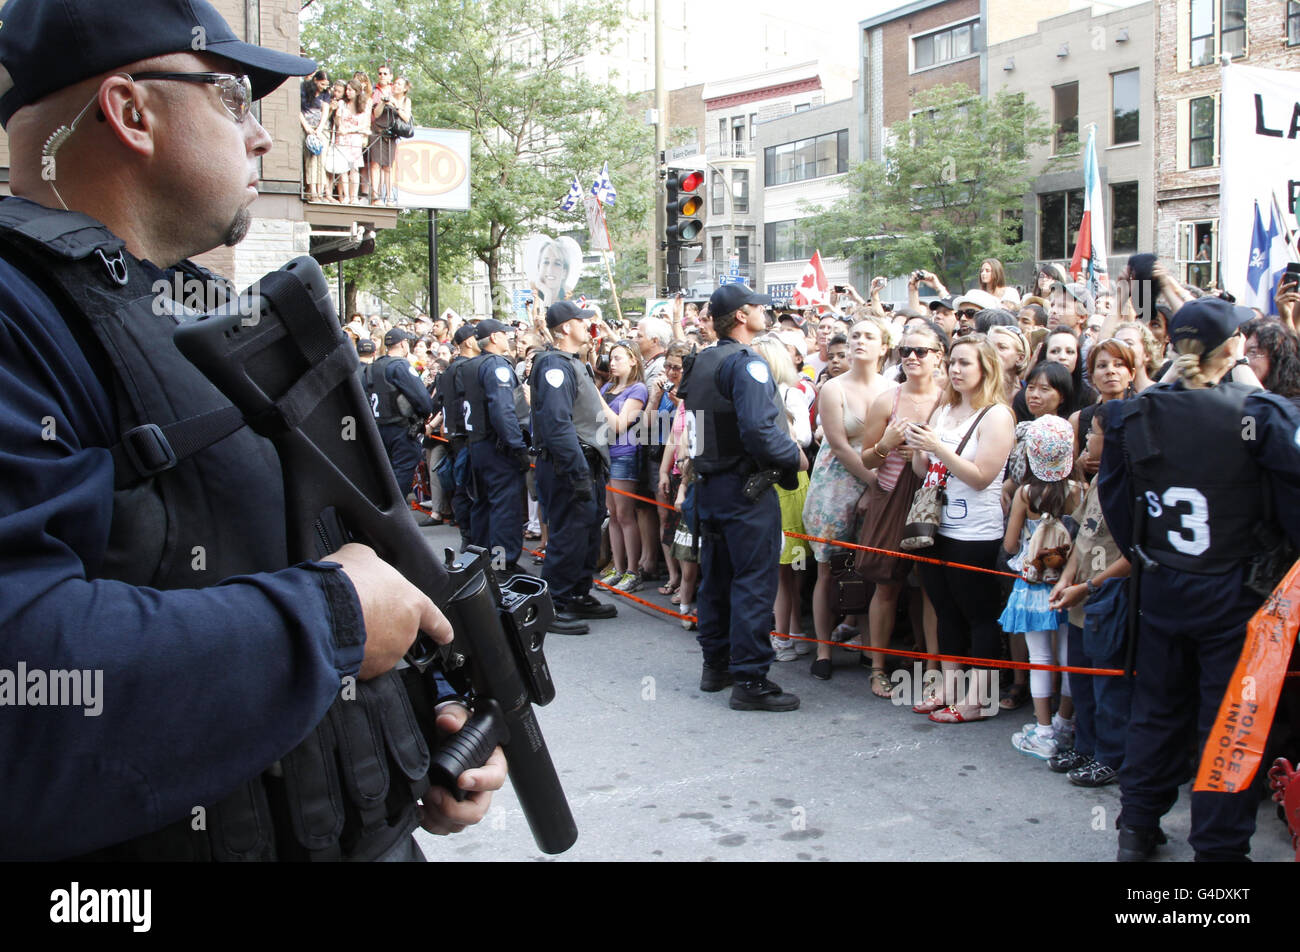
813, 287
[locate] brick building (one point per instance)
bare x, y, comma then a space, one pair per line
1190, 37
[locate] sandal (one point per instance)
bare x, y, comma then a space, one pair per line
677, 597
668, 588
929, 705
881, 686
952, 715
1017, 697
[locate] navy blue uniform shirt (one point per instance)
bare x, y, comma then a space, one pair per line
499, 381
747, 381
201, 689
555, 391
402, 375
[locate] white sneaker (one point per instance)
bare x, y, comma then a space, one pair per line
1035, 745
784, 649
687, 623
801, 648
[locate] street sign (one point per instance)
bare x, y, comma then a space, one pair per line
682, 152
730, 279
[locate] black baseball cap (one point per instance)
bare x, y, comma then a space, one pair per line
396, 336
365, 347
1210, 320
942, 302
463, 333
489, 326
731, 297
48, 45
562, 311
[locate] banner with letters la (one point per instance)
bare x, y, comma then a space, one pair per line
1259, 159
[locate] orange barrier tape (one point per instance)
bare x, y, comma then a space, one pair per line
1235, 744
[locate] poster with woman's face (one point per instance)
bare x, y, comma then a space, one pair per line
553, 266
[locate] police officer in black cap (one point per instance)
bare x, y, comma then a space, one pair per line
494, 425
1200, 485
571, 425
400, 403
738, 441
448, 397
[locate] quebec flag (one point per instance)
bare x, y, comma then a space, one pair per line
573, 198
603, 188
1267, 262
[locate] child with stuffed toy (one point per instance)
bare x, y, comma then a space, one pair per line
1039, 545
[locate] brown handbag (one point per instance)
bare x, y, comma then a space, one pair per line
927, 505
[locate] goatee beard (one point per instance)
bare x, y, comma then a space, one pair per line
238, 228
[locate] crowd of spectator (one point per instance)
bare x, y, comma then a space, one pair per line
993, 393
350, 132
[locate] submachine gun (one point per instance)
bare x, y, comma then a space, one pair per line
279, 355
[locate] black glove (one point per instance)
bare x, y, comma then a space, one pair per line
520, 456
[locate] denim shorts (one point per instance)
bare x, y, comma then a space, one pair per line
623, 467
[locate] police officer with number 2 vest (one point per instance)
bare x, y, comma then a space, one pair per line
1200, 483
447, 397
737, 436
571, 434
498, 451
400, 403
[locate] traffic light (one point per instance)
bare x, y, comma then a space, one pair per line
682, 203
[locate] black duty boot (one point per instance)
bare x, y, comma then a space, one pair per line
761, 695
567, 624
715, 679
1137, 844
587, 606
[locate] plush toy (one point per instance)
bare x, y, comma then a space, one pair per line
1047, 564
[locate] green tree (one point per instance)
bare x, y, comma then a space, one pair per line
508, 72
949, 193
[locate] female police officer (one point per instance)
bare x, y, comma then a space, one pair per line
1195, 477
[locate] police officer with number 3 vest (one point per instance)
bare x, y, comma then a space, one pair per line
738, 445
571, 434
497, 449
1200, 486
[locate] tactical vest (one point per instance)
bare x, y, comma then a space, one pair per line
390, 405
348, 790
588, 405
473, 403
712, 430
1201, 490
452, 413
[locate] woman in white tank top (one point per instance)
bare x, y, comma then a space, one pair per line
967, 603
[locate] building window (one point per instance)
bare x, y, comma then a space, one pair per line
784, 241
738, 140
1198, 254
1124, 217
740, 190
945, 46
806, 159
1232, 35
803, 107
1065, 112
1059, 217
1201, 141
1292, 23
753, 126
715, 249
1125, 101
742, 250
718, 185
1229, 32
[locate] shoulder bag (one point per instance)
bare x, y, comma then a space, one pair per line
923, 518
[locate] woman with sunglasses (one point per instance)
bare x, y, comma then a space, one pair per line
663, 427
885, 450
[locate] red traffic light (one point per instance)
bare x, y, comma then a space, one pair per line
691, 181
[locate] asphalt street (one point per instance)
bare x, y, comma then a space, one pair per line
656, 770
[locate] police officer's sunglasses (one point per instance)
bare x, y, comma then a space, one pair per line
236, 91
